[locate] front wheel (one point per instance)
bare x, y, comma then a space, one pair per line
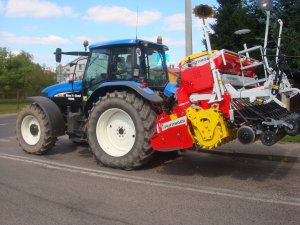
33, 130
119, 131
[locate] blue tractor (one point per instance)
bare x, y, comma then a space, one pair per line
113, 108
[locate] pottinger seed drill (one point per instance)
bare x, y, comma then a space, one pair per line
221, 97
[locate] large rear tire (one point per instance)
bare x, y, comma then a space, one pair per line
119, 130
33, 130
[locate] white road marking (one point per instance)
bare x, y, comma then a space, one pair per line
12, 137
291, 201
8, 139
3, 124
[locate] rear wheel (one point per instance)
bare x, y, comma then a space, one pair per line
119, 131
33, 130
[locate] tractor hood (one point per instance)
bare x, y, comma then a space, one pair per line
53, 90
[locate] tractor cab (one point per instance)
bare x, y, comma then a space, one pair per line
130, 64
130, 60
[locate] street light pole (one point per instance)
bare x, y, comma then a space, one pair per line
188, 28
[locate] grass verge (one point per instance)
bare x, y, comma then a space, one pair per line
11, 106
291, 139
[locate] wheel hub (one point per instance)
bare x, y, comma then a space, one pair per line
34, 129
121, 131
268, 138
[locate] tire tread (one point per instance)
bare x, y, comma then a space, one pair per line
133, 159
48, 141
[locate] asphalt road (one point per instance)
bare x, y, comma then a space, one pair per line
66, 186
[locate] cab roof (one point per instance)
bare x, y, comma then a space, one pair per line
124, 42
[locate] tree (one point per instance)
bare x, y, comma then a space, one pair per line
288, 11
4, 55
19, 68
233, 15
18, 74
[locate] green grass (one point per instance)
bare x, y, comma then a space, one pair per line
11, 106
291, 139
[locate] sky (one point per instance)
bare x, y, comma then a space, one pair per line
40, 26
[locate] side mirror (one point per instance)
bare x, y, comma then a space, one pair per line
265, 5
57, 54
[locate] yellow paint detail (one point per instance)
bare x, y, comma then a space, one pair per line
209, 129
275, 87
260, 100
84, 98
172, 77
173, 117
196, 55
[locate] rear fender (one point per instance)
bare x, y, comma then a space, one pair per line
53, 113
145, 93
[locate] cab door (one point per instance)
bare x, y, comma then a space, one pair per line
97, 70
121, 64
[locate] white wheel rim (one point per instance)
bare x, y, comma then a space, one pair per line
115, 132
30, 130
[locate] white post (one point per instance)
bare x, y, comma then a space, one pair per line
266, 38
188, 28
247, 53
216, 77
279, 39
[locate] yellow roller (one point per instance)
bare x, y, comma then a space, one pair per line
209, 128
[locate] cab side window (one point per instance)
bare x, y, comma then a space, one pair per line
121, 64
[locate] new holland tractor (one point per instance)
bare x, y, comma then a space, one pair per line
126, 109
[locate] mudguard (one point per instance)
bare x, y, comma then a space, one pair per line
54, 115
146, 93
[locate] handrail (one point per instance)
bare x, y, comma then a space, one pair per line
255, 82
252, 65
250, 49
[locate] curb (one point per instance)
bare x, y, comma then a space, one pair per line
8, 114
277, 158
